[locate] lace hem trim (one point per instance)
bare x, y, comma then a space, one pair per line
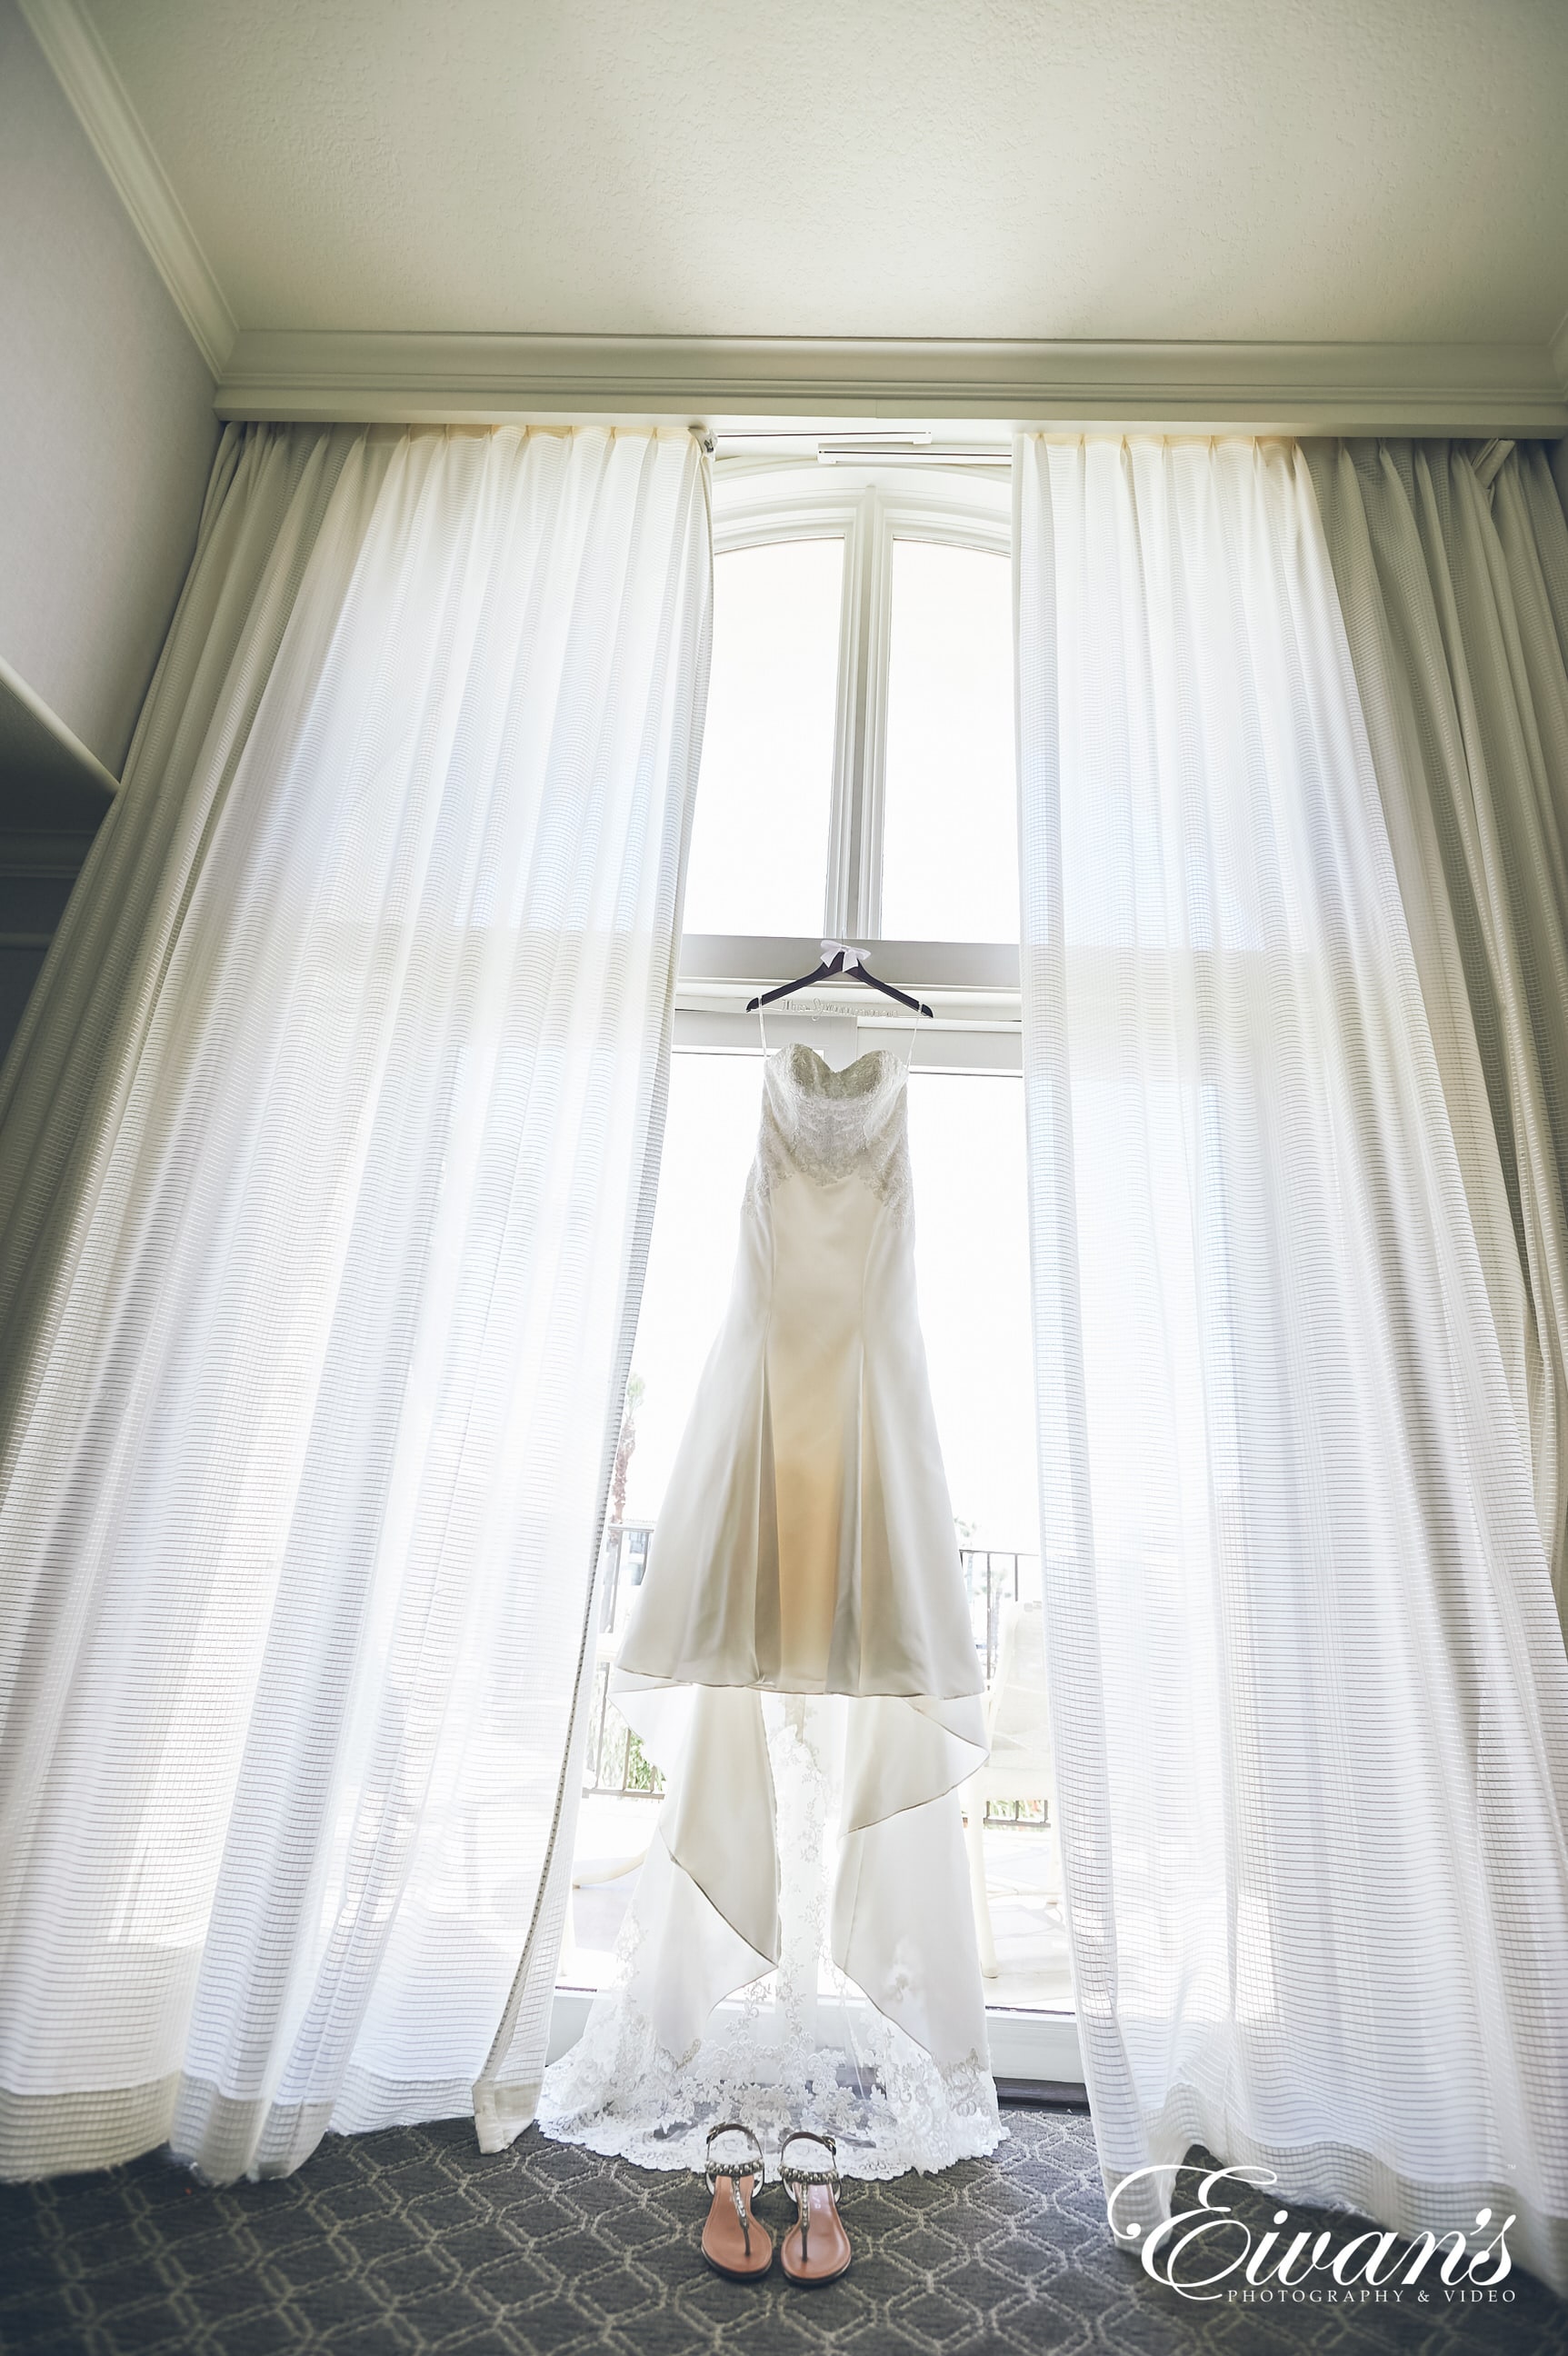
619, 2093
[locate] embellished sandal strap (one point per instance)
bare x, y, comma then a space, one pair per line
737, 2170
740, 2166
801, 2179
802, 2176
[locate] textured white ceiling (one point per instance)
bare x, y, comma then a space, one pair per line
1382, 170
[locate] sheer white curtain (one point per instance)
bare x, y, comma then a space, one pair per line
1309, 1693
1452, 566
326, 1155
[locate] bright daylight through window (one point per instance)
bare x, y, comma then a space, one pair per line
858, 782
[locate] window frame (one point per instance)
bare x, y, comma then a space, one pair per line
972, 986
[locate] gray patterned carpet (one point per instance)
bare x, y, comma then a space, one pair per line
409, 2244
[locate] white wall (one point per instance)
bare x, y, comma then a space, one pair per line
106, 423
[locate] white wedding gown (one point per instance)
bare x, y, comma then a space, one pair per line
800, 1664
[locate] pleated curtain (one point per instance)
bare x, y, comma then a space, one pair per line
1452, 567
1308, 1681
326, 1157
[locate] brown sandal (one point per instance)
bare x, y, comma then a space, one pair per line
816, 2247
735, 2242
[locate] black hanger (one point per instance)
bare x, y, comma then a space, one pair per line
839, 958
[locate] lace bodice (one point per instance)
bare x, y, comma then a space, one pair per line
824, 1125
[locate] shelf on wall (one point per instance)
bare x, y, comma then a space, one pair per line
54, 796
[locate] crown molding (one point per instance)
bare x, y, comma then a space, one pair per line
361, 377
83, 66
393, 378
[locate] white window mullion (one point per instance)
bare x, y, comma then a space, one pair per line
841, 906
877, 642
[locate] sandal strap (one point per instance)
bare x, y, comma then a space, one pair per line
737, 2172
737, 2169
790, 2175
801, 2179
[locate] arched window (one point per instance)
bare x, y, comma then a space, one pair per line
858, 766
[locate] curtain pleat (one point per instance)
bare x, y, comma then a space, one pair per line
1309, 1689
1455, 601
326, 1152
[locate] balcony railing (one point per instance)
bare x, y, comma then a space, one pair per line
996, 1576
615, 1763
